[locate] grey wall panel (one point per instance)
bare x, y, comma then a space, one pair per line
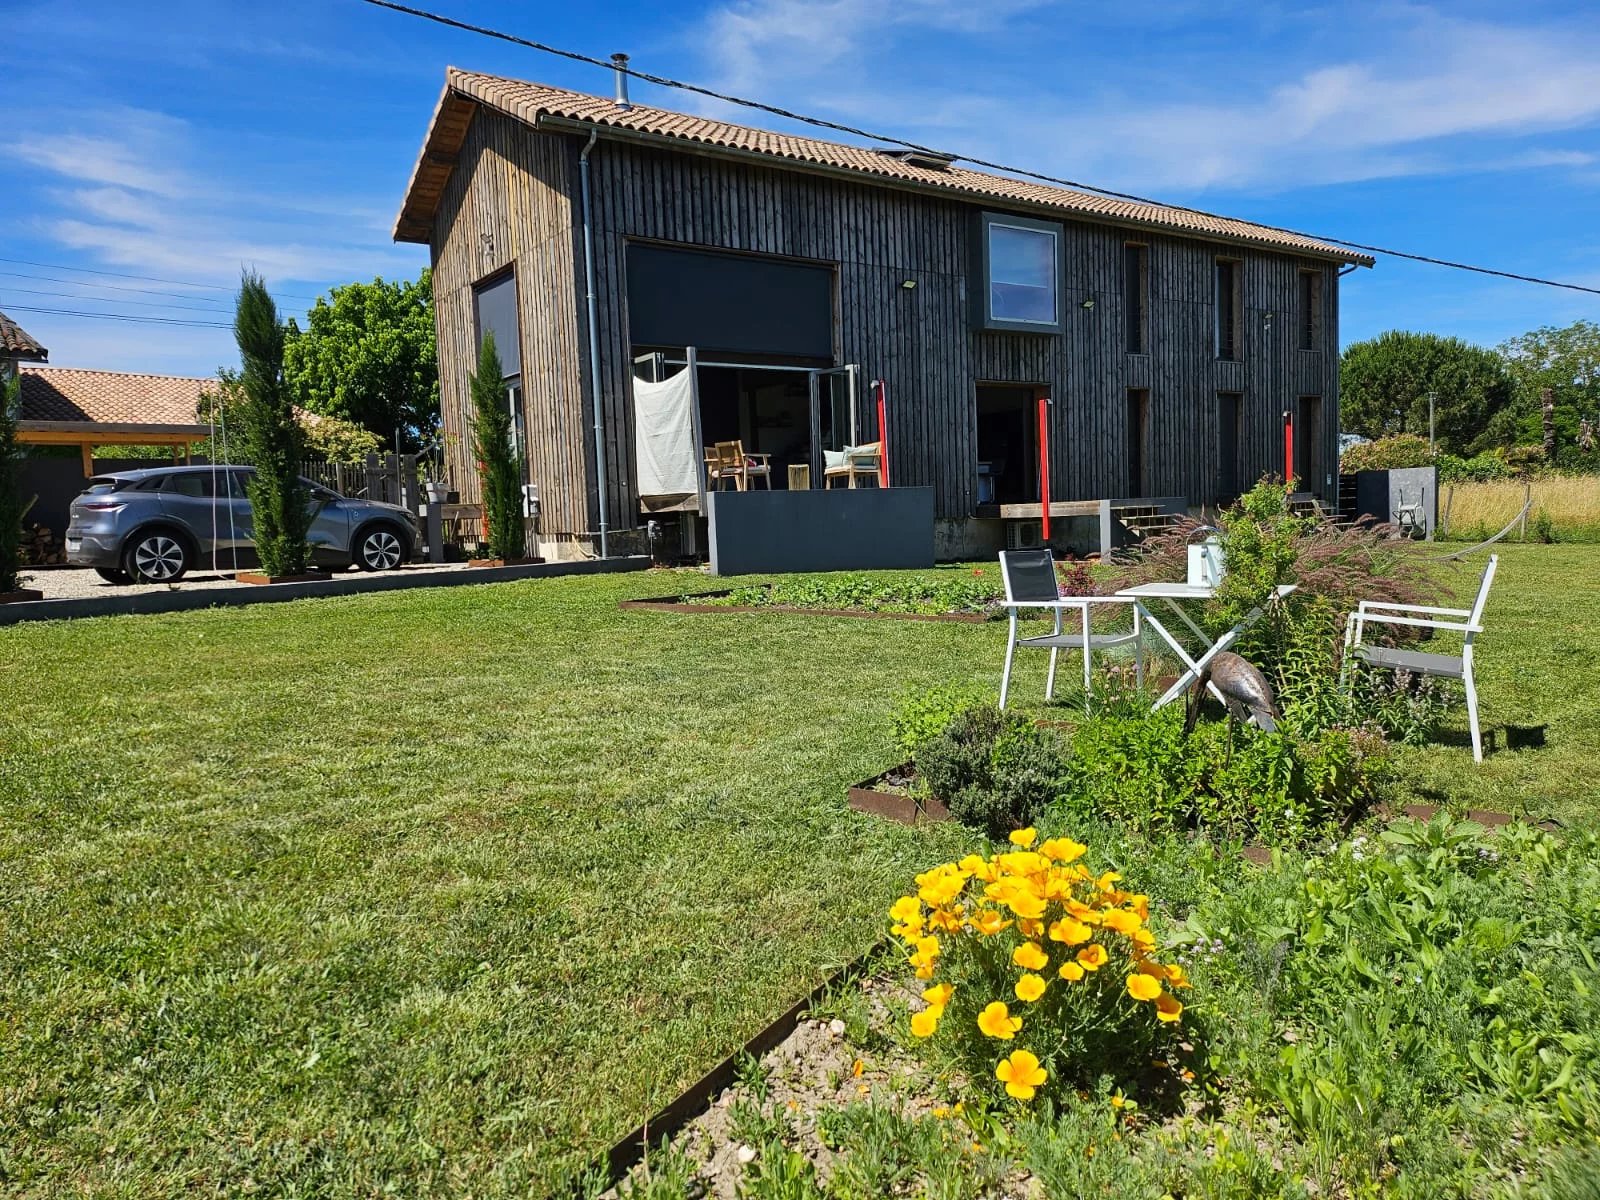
838, 529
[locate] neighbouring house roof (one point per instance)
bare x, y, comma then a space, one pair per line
16, 344
65, 399
552, 108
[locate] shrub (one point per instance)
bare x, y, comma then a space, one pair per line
1386, 454
1039, 975
993, 769
925, 715
499, 474
1260, 545
271, 437
1140, 770
1479, 468
946, 592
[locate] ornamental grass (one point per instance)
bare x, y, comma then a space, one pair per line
1038, 973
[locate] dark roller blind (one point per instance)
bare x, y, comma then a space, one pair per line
729, 303
496, 303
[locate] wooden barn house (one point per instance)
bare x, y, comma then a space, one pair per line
599, 239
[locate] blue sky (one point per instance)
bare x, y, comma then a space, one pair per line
186, 139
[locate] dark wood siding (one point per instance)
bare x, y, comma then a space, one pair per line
522, 187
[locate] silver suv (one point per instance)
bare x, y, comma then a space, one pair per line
154, 525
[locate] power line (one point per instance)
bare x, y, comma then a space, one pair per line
113, 287
67, 312
788, 115
8, 289
188, 283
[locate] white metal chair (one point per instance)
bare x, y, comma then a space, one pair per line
1467, 621
1030, 580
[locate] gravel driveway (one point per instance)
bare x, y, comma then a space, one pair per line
81, 583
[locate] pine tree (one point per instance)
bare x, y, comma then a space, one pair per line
498, 474
271, 437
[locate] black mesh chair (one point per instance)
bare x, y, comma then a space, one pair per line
1030, 579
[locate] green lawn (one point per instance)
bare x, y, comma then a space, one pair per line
442, 891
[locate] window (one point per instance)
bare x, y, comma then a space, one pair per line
1020, 273
1311, 310
1230, 314
1229, 407
1136, 296
1138, 442
190, 483
495, 305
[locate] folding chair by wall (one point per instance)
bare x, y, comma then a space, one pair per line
1466, 621
1030, 579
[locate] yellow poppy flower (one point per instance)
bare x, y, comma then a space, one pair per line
906, 909
925, 1023
1030, 987
1071, 972
1092, 957
1073, 933
1142, 987
989, 922
1031, 929
1121, 920
996, 1021
1024, 837
1177, 977
1168, 1008
1105, 881
1021, 1073
1141, 905
1027, 905
975, 866
1029, 957
939, 995
1063, 850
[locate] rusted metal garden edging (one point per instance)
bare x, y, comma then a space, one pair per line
137, 601
868, 797
675, 604
697, 1097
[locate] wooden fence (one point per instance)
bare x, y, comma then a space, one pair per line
389, 478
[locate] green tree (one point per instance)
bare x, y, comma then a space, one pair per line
270, 438
368, 355
12, 506
1384, 385
1567, 361
498, 474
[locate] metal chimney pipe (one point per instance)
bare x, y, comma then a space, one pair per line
619, 68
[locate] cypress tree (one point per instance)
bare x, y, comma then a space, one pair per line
498, 474
12, 507
271, 437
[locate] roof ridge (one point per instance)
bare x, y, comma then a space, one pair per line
43, 369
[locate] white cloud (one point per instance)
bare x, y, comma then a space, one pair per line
1425, 93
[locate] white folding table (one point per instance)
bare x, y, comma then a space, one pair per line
1174, 595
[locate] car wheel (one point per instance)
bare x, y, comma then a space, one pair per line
156, 556
379, 549
113, 574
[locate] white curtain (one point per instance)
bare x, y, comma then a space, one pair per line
664, 449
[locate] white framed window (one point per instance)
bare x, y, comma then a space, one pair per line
1020, 272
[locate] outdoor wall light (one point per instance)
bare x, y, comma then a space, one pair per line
908, 284
1088, 304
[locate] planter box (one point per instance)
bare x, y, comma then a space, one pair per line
258, 578
20, 596
502, 562
879, 797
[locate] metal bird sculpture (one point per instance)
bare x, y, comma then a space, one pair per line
1245, 693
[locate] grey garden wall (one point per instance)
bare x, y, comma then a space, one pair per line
1379, 493
838, 529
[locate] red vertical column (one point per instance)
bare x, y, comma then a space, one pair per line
883, 432
1288, 446
1044, 468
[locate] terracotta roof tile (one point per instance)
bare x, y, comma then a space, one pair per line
110, 397
15, 342
532, 102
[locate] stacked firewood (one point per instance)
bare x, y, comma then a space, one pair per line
41, 547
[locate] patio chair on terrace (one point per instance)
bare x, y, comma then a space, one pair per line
852, 463
727, 460
1030, 579
1468, 621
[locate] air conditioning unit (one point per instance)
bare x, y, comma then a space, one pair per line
1023, 535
